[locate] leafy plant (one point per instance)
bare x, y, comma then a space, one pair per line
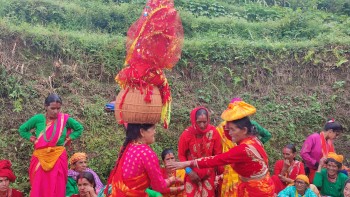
205, 8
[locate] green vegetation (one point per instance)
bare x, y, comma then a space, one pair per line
288, 58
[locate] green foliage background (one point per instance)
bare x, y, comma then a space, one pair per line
290, 59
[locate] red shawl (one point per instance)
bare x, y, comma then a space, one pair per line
194, 128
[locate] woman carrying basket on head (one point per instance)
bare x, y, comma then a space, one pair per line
153, 43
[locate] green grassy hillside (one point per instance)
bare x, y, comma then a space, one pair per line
290, 60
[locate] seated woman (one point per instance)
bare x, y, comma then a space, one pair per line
347, 188
329, 179
86, 185
78, 164
7, 176
288, 169
169, 156
299, 189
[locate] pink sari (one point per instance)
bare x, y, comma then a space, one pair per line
49, 166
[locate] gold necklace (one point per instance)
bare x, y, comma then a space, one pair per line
137, 142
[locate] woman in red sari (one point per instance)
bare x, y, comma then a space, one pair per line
49, 163
248, 159
199, 140
288, 169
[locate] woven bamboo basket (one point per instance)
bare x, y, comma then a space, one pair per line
136, 110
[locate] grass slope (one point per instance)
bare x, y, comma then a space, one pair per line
292, 63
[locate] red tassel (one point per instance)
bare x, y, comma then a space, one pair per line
165, 125
149, 93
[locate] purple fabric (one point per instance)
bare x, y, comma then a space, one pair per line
235, 99
74, 174
311, 152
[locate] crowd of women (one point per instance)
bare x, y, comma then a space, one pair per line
228, 160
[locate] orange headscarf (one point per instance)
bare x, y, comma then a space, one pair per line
303, 177
335, 156
76, 157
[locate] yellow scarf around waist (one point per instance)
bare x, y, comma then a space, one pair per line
48, 156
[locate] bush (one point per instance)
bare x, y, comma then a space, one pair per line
204, 8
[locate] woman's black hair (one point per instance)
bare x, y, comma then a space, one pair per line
291, 147
245, 122
133, 132
339, 165
88, 176
52, 98
335, 126
201, 112
346, 182
166, 151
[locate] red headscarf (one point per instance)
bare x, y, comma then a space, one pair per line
195, 128
6, 171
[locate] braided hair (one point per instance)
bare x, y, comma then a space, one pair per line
133, 132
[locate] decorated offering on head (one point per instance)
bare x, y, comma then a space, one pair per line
154, 43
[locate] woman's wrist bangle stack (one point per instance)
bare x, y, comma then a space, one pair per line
194, 163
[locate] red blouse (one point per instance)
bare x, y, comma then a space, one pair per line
248, 159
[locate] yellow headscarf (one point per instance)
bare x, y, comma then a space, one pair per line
335, 156
238, 110
303, 177
76, 157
